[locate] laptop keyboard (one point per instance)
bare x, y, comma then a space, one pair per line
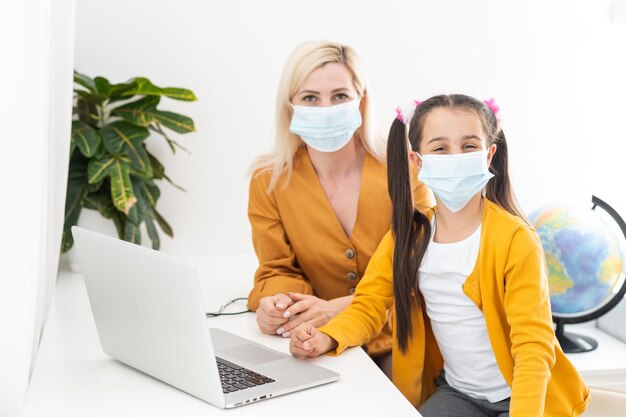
237, 378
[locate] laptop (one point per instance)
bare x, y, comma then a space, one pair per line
149, 315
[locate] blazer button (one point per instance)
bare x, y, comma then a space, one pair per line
352, 276
349, 253
351, 290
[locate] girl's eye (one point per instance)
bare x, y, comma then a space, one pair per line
439, 149
471, 146
309, 99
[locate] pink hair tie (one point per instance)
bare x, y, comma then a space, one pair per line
491, 103
406, 115
399, 114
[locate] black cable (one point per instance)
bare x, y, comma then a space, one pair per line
223, 307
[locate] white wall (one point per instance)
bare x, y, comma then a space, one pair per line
557, 68
36, 48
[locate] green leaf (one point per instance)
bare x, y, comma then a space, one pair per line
84, 80
118, 170
124, 138
100, 150
121, 187
103, 86
177, 122
132, 233
94, 98
98, 169
85, 137
100, 200
115, 93
140, 113
156, 127
152, 192
153, 233
164, 225
96, 186
145, 209
133, 213
76, 192
87, 112
120, 223
143, 86
158, 170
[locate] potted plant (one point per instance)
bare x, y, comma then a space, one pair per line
110, 169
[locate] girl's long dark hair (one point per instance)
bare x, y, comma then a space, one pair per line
411, 229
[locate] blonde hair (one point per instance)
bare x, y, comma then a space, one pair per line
307, 57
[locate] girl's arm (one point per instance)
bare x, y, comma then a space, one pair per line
366, 315
527, 307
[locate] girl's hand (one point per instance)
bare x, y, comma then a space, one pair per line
269, 315
307, 342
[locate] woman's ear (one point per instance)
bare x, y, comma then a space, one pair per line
493, 148
414, 157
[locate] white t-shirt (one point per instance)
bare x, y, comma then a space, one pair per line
458, 324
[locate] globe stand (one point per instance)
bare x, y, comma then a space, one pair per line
573, 342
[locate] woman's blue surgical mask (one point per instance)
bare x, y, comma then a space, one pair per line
326, 129
455, 178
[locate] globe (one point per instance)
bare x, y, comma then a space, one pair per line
585, 264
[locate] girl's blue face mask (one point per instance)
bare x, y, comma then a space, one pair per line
455, 178
326, 129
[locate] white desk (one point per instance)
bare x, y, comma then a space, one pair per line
73, 377
606, 365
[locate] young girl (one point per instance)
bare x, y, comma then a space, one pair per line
471, 317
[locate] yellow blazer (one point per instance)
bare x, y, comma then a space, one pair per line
510, 286
300, 243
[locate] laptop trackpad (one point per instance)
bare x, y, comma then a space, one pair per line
251, 354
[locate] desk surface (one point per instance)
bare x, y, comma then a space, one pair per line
73, 377
609, 356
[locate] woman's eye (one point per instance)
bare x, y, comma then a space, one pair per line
341, 97
439, 149
309, 99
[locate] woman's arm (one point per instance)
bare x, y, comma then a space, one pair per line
312, 310
278, 271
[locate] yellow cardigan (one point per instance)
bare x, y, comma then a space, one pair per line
510, 286
300, 243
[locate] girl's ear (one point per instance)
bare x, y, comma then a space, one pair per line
417, 161
491, 151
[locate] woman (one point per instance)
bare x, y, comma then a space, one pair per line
319, 204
